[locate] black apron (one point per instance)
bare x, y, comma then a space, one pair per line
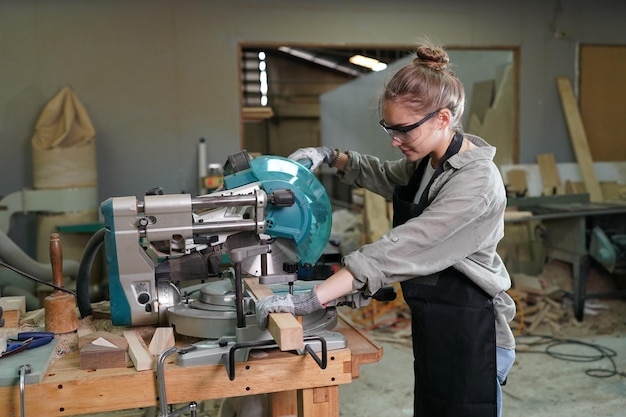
453, 325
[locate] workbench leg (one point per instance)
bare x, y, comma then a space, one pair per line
284, 404
319, 402
580, 270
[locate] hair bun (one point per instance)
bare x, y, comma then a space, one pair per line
431, 57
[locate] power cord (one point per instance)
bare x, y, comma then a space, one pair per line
552, 350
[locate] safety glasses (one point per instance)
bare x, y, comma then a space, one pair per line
401, 133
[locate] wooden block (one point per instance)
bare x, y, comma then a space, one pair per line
516, 179
610, 190
93, 356
286, 331
574, 187
284, 327
17, 302
34, 317
527, 283
11, 318
138, 351
516, 214
549, 174
578, 138
162, 339
12, 309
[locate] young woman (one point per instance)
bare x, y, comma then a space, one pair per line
448, 201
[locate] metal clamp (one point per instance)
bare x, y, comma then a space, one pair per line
229, 359
193, 406
24, 369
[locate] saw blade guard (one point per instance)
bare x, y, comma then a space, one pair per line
308, 221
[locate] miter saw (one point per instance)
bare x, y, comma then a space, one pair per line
271, 219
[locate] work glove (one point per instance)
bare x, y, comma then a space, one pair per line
299, 304
317, 156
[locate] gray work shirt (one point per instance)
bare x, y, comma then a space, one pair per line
461, 227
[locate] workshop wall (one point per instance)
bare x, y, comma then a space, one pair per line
157, 75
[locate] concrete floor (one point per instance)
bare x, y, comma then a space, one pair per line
538, 385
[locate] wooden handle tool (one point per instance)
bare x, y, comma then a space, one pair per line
59, 307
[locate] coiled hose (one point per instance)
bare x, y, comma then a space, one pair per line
84, 271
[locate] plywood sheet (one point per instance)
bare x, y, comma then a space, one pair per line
602, 91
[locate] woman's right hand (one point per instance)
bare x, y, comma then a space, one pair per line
317, 156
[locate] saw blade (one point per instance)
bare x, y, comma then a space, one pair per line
281, 250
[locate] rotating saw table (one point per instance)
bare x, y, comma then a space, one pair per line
295, 383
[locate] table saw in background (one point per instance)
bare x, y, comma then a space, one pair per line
579, 232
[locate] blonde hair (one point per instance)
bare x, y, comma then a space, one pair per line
427, 84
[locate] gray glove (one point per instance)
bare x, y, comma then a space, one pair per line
317, 156
299, 304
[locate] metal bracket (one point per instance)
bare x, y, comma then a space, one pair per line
229, 359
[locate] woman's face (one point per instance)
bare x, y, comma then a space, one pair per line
412, 133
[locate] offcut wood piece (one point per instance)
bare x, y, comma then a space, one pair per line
610, 190
162, 339
102, 350
119, 341
517, 181
574, 187
538, 318
375, 220
284, 327
549, 174
13, 308
138, 351
34, 317
579, 139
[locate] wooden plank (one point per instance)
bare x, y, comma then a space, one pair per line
284, 327
516, 179
162, 339
138, 351
579, 139
549, 174
375, 220
602, 81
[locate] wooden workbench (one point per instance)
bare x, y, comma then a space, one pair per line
296, 384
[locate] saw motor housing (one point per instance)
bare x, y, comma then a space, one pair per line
155, 244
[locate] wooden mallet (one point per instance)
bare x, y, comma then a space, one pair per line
60, 306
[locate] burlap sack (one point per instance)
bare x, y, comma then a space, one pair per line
64, 145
